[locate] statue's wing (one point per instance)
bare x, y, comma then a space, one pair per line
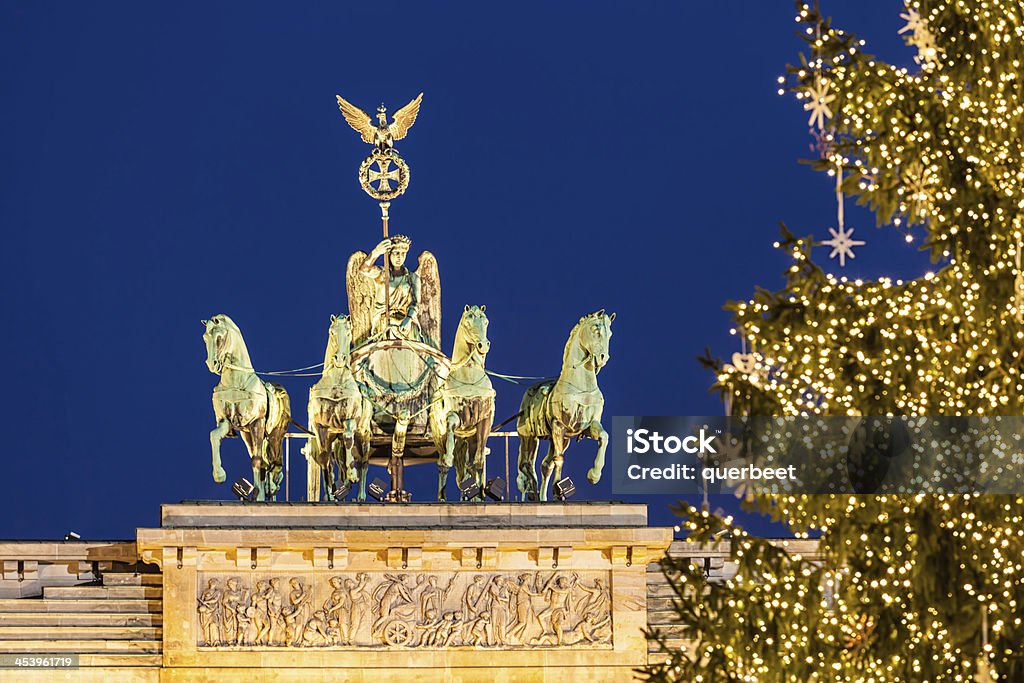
359, 119
360, 299
404, 118
429, 308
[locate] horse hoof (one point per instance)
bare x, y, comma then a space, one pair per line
219, 475
593, 475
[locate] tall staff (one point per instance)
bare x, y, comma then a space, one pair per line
378, 171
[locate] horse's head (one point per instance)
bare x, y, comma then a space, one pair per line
473, 329
339, 342
594, 335
219, 338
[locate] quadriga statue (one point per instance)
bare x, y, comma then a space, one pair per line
339, 417
245, 406
570, 406
463, 408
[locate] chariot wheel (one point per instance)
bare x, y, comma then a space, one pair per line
397, 634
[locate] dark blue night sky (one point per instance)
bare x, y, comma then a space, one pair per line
162, 163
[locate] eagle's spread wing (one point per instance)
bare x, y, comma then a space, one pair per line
404, 118
359, 119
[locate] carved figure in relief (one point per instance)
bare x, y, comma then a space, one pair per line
315, 631
593, 628
362, 602
471, 599
429, 627
499, 612
290, 615
274, 604
597, 601
243, 615
491, 610
559, 594
233, 596
334, 633
261, 612
339, 606
209, 613
479, 629
451, 631
525, 614
432, 596
299, 599
393, 598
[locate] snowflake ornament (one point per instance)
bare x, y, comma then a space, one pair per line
914, 22
920, 37
819, 98
842, 245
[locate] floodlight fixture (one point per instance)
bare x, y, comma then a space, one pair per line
469, 488
378, 489
495, 489
341, 492
244, 489
564, 489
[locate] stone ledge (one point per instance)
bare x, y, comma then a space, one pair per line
222, 514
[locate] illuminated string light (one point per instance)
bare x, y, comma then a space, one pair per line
908, 587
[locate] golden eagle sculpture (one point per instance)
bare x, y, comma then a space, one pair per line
381, 133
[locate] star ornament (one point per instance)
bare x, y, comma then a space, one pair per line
842, 245
818, 99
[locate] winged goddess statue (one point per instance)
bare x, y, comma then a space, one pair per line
381, 133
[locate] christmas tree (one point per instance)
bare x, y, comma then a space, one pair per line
908, 587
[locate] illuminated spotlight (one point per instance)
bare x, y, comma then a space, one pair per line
341, 492
244, 489
564, 489
495, 489
378, 489
72, 536
469, 488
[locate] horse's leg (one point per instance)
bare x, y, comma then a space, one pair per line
462, 465
322, 458
364, 468
252, 435
328, 458
483, 430
216, 436
273, 470
596, 431
447, 457
348, 473
546, 467
526, 480
555, 457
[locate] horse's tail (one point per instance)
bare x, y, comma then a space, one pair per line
279, 411
532, 421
